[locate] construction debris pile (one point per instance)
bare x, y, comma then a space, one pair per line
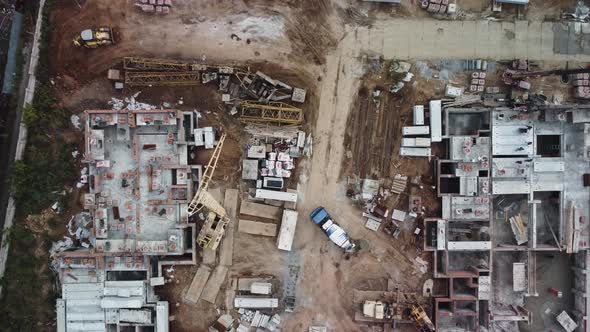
255, 97
261, 87
129, 103
399, 72
375, 202
270, 158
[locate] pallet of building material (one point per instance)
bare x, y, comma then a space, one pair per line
257, 228
399, 185
114, 74
372, 224
162, 78
150, 6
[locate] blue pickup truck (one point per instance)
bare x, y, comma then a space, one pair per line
336, 234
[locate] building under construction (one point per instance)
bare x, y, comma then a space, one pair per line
140, 186
515, 201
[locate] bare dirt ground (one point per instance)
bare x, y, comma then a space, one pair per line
301, 42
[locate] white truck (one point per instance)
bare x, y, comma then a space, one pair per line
336, 234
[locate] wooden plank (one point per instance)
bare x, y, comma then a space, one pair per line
209, 256
231, 294
230, 204
214, 284
260, 210
196, 288
257, 228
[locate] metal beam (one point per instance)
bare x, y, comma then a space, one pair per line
162, 78
273, 112
147, 64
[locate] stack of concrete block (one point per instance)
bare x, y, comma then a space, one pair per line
581, 83
155, 6
478, 81
493, 89
435, 6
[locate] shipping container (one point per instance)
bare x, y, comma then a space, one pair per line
255, 302
415, 152
415, 130
436, 120
287, 231
416, 141
418, 115
276, 195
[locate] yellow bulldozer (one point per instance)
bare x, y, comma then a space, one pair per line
93, 38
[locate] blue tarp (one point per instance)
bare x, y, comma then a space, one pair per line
9, 71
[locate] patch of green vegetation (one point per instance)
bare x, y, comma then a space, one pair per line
37, 182
22, 284
47, 164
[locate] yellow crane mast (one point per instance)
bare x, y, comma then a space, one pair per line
217, 220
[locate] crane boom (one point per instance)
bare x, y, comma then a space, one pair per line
202, 197
524, 74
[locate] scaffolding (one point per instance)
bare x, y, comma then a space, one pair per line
161, 78
271, 112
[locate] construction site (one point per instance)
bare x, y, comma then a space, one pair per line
306, 165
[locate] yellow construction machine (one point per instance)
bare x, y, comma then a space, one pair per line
217, 219
93, 38
421, 319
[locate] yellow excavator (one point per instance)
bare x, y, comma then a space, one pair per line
93, 38
421, 319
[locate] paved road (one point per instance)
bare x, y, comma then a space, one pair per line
432, 39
